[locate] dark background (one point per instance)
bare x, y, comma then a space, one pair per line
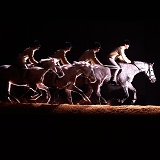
143, 35
81, 135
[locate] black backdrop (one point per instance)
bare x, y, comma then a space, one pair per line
143, 35
70, 136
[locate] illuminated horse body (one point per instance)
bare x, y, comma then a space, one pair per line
101, 73
33, 78
129, 71
68, 81
125, 79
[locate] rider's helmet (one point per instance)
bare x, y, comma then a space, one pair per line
97, 45
126, 41
67, 45
36, 43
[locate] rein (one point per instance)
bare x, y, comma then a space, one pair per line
148, 71
137, 66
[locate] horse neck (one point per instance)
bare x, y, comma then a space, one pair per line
141, 66
79, 70
131, 69
43, 65
47, 65
71, 71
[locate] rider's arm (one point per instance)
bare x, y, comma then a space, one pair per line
123, 57
64, 60
94, 59
31, 58
61, 56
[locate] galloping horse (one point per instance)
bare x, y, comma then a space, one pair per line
68, 81
125, 78
102, 73
128, 73
32, 77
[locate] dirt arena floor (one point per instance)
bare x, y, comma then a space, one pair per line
66, 109
81, 130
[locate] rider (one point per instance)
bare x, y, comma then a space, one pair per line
118, 54
90, 54
61, 53
27, 55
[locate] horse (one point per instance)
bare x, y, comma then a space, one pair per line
101, 74
31, 77
129, 71
68, 81
124, 78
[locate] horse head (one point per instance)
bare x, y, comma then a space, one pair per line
150, 73
87, 70
147, 69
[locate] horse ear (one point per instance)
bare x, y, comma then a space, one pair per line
152, 63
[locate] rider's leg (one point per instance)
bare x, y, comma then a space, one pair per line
114, 71
114, 76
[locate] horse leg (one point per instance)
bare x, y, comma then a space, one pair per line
7, 89
73, 88
36, 91
10, 97
88, 93
130, 87
36, 94
125, 89
27, 93
97, 91
69, 95
96, 88
46, 89
4, 95
102, 99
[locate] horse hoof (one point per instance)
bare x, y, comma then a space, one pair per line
133, 102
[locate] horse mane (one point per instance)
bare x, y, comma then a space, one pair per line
82, 63
45, 59
66, 66
133, 62
138, 62
55, 60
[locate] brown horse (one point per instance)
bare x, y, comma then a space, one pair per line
31, 77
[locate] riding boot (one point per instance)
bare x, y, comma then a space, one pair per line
113, 79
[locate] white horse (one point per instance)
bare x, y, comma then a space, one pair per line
68, 81
125, 79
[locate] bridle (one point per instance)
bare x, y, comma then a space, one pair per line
149, 73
